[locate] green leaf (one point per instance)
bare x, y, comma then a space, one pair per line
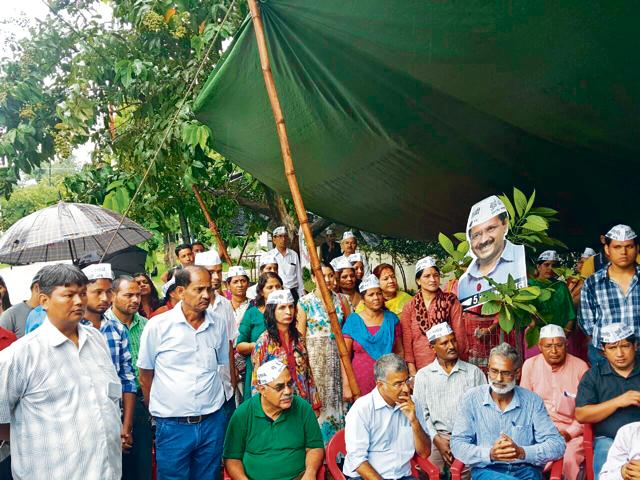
530, 202
446, 243
491, 308
461, 236
509, 205
532, 336
535, 223
463, 247
545, 295
114, 185
544, 212
525, 306
505, 320
520, 200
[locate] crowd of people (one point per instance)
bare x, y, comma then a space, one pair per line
103, 378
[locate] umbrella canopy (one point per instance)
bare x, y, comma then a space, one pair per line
67, 231
403, 114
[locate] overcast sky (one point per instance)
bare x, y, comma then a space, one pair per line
30, 9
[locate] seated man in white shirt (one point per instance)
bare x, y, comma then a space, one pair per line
623, 459
385, 428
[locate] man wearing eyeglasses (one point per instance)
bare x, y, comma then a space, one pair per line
385, 428
503, 431
609, 393
554, 375
274, 435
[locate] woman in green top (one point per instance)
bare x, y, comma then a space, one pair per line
252, 324
558, 309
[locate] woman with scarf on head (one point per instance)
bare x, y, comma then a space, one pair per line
370, 334
429, 307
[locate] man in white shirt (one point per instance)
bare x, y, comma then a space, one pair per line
180, 352
288, 263
623, 459
385, 428
60, 395
221, 307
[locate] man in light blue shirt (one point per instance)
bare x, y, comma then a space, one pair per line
503, 432
385, 428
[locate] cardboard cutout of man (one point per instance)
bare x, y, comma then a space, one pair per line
493, 255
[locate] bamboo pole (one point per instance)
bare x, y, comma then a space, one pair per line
297, 197
222, 250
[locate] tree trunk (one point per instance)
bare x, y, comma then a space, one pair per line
184, 227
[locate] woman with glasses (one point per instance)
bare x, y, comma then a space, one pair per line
429, 307
253, 325
283, 341
370, 334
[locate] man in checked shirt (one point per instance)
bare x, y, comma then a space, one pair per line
99, 293
612, 294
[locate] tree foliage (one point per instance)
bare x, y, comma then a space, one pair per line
117, 81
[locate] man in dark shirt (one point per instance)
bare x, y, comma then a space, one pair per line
329, 249
609, 393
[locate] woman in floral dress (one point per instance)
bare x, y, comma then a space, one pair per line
315, 327
282, 340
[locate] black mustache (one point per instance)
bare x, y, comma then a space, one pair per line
485, 244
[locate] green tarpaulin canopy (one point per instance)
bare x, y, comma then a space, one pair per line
402, 114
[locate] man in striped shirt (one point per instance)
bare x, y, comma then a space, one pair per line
612, 294
440, 386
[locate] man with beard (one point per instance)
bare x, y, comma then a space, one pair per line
609, 393
494, 255
554, 375
440, 386
222, 307
180, 352
502, 431
127, 296
99, 292
274, 435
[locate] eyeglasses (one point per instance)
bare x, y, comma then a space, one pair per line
408, 382
506, 374
280, 386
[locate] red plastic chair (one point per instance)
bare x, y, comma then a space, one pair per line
555, 474
587, 444
337, 445
321, 474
